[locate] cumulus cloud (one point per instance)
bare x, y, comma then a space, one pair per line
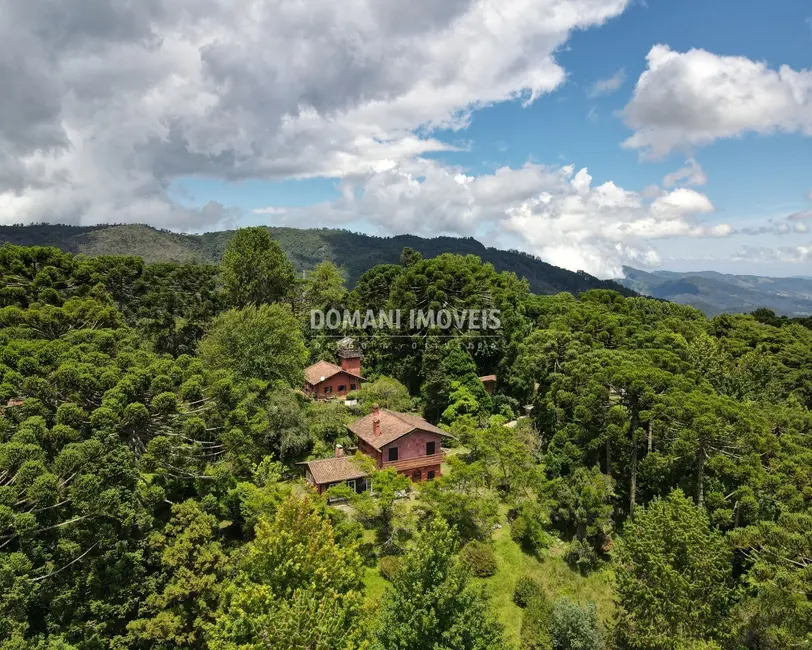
799, 219
554, 212
105, 102
691, 174
786, 254
607, 86
794, 223
685, 100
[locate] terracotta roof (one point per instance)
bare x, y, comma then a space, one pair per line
487, 378
322, 370
332, 470
393, 426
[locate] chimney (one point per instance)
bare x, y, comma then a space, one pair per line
350, 356
339, 451
376, 421
351, 363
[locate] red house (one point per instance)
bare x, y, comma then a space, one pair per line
325, 380
401, 441
328, 472
489, 381
404, 442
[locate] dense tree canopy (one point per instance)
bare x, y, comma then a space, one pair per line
152, 418
255, 269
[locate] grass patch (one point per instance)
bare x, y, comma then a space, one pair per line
552, 572
445, 469
374, 584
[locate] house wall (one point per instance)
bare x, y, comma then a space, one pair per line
412, 445
423, 474
360, 486
369, 450
351, 364
334, 382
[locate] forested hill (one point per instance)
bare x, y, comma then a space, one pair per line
354, 252
657, 495
717, 293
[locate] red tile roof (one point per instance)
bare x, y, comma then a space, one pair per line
322, 370
393, 426
333, 470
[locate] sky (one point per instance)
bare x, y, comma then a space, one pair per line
592, 133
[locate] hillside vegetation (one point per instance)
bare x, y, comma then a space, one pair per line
717, 293
353, 252
639, 479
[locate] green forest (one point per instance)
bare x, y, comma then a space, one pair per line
640, 477
354, 252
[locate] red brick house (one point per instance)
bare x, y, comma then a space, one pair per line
325, 380
401, 441
404, 442
328, 472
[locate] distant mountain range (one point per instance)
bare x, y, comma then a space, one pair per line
715, 293
353, 252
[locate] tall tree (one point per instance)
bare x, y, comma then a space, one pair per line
778, 613
431, 603
262, 342
296, 587
673, 577
256, 269
324, 287
196, 565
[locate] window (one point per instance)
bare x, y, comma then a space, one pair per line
430, 475
328, 389
342, 388
431, 448
351, 485
393, 454
352, 386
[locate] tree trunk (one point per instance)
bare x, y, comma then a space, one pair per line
633, 486
608, 457
634, 422
700, 477
650, 436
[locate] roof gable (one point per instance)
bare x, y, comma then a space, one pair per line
333, 470
394, 425
323, 370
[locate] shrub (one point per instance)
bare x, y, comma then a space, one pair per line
575, 626
390, 566
505, 406
528, 532
527, 589
479, 558
536, 631
582, 556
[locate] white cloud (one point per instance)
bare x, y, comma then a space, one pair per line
785, 254
607, 86
691, 174
271, 209
799, 220
685, 100
105, 102
553, 212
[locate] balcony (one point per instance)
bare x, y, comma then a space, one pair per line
418, 462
